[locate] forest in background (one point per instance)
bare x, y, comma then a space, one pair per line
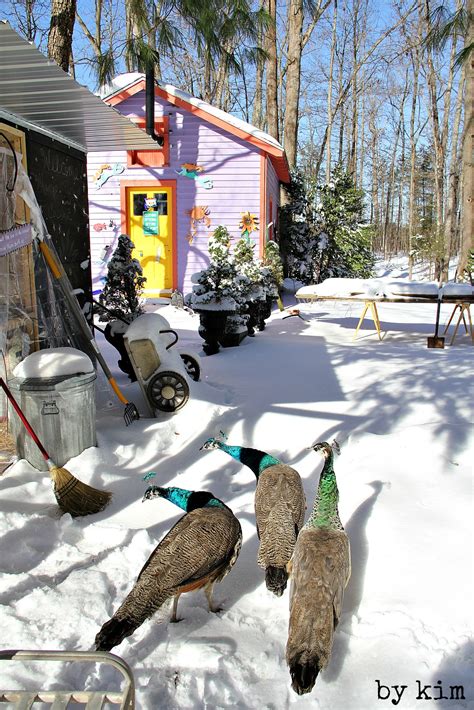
378, 89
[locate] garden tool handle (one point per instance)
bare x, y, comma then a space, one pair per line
25, 421
173, 332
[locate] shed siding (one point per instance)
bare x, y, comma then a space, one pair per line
273, 196
232, 164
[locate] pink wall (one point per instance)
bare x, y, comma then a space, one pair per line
232, 164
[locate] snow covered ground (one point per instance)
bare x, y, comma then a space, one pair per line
402, 414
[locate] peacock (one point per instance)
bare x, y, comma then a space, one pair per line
197, 552
320, 570
280, 506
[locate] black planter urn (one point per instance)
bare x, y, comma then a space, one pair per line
254, 311
211, 328
264, 312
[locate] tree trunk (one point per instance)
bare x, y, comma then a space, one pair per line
467, 228
411, 198
351, 160
272, 78
450, 225
439, 140
63, 15
329, 103
293, 78
390, 186
258, 114
375, 217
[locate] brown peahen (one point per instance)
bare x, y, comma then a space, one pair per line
280, 506
320, 570
197, 552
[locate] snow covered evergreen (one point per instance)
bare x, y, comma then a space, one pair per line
123, 284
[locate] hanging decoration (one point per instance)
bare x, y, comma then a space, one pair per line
248, 224
191, 171
107, 171
99, 226
198, 214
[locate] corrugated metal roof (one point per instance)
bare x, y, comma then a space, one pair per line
36, 92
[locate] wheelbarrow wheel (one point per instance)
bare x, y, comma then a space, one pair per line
168, 391
192, 366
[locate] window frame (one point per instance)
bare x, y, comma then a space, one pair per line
159, 158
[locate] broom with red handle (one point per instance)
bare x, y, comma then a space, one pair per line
73, 496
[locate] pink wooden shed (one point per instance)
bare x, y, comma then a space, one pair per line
212, 169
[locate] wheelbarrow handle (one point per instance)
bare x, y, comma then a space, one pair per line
173, 332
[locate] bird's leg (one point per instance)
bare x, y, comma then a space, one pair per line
208, 592
174, 619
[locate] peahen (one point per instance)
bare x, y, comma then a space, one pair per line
198, 551
280, 506
320, 570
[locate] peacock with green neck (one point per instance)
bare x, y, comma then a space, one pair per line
255, 459
320, 570
280, 506
325, 513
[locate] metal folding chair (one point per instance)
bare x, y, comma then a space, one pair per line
123, 698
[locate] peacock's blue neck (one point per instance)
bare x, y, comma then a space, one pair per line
256, 460
190, 500
325, 513
178, 496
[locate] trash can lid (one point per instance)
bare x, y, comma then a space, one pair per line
61, 383
54, 362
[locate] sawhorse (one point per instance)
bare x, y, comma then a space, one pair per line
464, 308
375, 317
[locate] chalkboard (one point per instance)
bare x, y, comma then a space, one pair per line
58, 175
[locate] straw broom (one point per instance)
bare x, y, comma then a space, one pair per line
72, 495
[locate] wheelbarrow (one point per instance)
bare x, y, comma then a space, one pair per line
162, 372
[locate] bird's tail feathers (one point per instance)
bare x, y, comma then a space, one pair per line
113, 632
276, 579
303, 673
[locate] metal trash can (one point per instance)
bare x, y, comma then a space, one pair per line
61, 411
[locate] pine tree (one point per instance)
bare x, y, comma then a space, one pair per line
344, 241
123, 284
298, 240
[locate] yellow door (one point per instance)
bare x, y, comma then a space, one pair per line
149, 220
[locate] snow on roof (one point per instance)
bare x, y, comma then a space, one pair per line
54, 362
123, 81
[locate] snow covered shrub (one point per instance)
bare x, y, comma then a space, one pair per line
216, 286
123, 284
251, 285
272, 269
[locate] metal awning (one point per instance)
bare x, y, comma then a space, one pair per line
37, 94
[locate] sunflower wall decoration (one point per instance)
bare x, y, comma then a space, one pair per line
248, 224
